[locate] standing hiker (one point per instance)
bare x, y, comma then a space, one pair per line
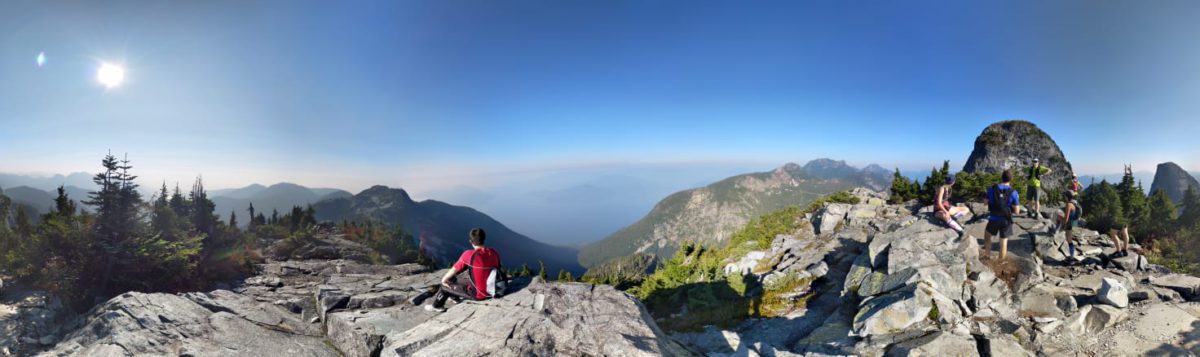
1068, 220
1035, 185
1003, 203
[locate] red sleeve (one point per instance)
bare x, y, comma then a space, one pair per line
461, 264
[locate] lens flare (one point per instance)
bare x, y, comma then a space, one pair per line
41, 58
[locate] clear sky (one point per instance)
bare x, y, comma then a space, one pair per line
445, 93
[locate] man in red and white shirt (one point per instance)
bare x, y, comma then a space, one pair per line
480, 260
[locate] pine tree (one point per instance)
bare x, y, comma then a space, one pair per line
541, 270
1162, 215
1102, 207
562, 275
202, 216
1133, 202
63, 205
250, 224
525, 270
179, 204
116, 226
274, 217
233, 223
1190, 216
902, 189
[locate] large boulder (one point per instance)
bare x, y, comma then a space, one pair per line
166, 324
1186, 285
543, 319
830, 217
893, 312
1012, 145
936, 344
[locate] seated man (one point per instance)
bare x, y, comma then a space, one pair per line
482, 261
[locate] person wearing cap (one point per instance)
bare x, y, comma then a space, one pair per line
943, 210
1035, 186
1075, 185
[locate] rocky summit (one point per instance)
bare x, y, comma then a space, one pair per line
339, 307
1013, 145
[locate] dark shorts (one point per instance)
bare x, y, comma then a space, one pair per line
1001, 227
1071, 223
1033, 193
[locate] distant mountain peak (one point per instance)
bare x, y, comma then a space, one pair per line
1173, 179
1013, 144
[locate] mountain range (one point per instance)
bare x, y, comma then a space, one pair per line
710, 214
442, 228
280, 196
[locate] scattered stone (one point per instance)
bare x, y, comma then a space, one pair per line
1113, 293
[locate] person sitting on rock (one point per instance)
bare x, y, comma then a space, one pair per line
1068, 220
1035, 185
944, 210
1003, 203
486, 275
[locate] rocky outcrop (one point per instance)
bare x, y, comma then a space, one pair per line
30, 320
1013, 145
900, 283
341, 307
1174, 180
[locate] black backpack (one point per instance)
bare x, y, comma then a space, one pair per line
998, 201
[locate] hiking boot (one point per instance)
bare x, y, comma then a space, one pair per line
432, 308
417, 300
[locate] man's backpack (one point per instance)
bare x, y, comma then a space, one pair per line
998, 201
497, 281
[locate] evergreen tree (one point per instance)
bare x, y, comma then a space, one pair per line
1190, 216
1102, 207
525, 270
1133, 202
541, 270
250, 223
902, 189
23, 223
179, 204
202, 216
936, 179
233, 223
562, 275
116, 204
63, 205
1162, 215
275, 217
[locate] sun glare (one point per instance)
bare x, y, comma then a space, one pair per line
110, 75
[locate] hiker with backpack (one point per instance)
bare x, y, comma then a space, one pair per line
1068, 220
1035, 186
944, 210
486, 276
1075, 185
1003, 203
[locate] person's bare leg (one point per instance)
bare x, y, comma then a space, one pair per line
1125, 235
1116, 237
1003, 247
987, 243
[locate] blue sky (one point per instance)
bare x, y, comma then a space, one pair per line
437, 94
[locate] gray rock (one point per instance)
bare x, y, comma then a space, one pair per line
1113, 293
1047, 301
1005, 345
1186, 285
565, 322
161, 324
936, 344
893, 312
829, 217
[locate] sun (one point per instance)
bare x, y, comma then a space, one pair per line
110, 75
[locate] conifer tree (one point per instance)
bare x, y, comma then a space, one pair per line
250, 224
525, 270
1190, 216
541, 270
233, 223
63, 205
1133, 202
1102, 207
202, 208
1162, 215
902, 189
